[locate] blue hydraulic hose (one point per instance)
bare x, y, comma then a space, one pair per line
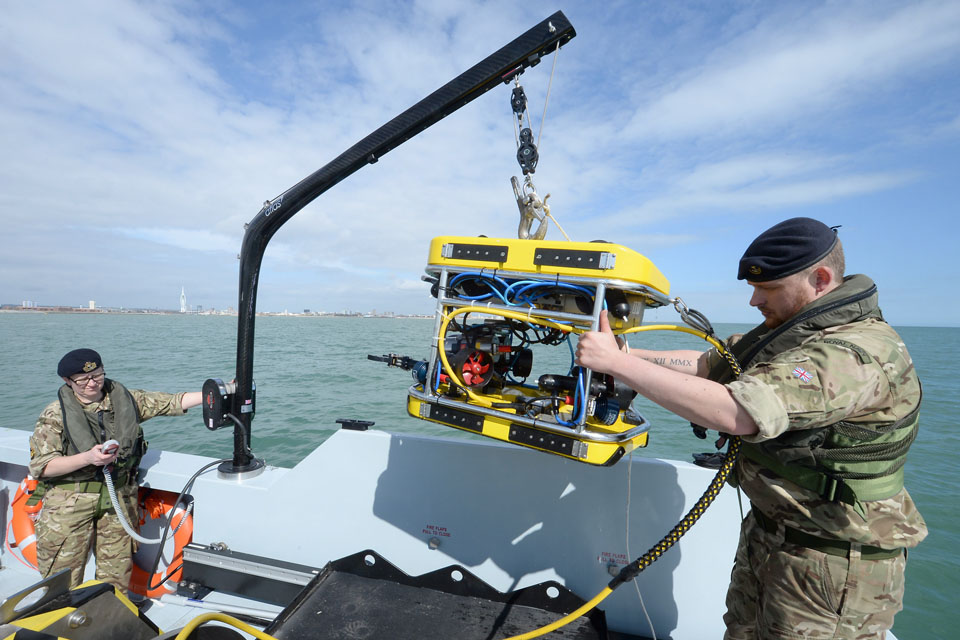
487, 280
528, 285
581, 391
509, 293
578, 403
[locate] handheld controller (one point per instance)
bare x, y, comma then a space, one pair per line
109, 447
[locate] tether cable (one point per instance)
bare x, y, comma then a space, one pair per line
193, 625
178, 501
632, 570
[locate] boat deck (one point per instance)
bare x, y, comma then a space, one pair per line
511, 516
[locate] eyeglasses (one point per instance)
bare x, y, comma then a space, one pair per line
83, 381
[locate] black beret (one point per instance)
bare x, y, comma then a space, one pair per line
786, 248
78, 361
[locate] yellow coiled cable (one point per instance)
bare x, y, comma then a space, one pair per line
713, 490
565, 620
641, 563
221, 617
516, 315
674, 327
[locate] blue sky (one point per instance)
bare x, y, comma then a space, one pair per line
140, 137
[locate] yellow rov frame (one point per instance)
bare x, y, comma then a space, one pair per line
94, 610
617, 276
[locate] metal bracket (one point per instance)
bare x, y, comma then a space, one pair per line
608, 260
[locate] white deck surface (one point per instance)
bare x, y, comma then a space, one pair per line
512, 516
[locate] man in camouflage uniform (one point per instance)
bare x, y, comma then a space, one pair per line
826, 408
67, 456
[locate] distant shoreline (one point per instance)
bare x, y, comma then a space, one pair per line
212, 312
15, 309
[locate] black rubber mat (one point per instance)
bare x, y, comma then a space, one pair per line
364, 596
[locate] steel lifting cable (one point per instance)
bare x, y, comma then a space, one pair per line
528, 155
518, 101
546, 100
543, 118
633, 569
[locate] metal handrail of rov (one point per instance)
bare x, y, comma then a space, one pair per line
530, 312
587, 435
624, 285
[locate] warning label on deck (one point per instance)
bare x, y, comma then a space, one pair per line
610, 557
437, 531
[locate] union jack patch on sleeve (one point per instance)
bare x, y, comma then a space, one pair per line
803, 374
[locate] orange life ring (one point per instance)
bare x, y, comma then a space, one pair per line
157, 505
22, 519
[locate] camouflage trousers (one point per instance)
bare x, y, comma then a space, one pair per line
72, 523
781, 590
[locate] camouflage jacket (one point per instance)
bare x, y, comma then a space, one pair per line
47, 441
820, 382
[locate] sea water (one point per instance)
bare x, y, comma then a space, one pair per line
311, 371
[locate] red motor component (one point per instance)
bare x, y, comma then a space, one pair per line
474, 367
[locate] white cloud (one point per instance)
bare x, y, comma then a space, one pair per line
751, 169
411, 285
188, 239
783, 71
155, 131
764, 197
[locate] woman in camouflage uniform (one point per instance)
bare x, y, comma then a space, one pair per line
827, 408
66, 455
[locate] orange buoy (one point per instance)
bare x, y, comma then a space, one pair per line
22, 518
157, 507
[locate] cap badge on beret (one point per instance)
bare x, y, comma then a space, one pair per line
79, 361
755, 270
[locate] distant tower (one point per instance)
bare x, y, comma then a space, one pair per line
183, 300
